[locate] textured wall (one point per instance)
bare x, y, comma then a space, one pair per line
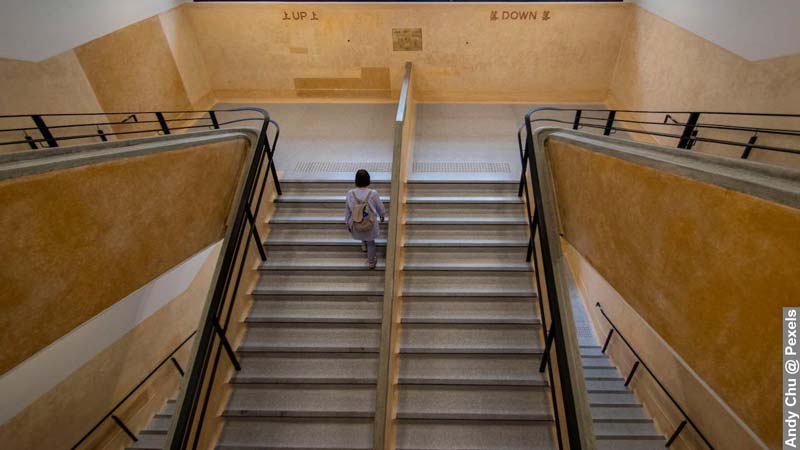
59, 418
123, 222
181, 39
133, 70
662, 66
252, 52
710, 278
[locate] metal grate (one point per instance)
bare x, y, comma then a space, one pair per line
341, 166
461, 167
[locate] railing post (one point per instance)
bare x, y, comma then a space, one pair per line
608, 340
577, 122
749, 148
630, 375
676, 433
31, 143
226, 345
686, 137
214, 121
102, 135
45, 132
609, 123
177, 365
254, 232
162, 122
547, 345
124, 428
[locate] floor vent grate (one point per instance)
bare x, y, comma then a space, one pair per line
341, 166
461, 167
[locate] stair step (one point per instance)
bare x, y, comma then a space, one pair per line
294, 433
311, 338
629, 444
455, 283
471, 369
631, 413
464, 199
617, 385
314, 311
308, 368
456, 311
419, 219
310, 258
467, 259
474, 435
281, 400
471, 188
625, 430
318, 283
321, 241
169, 408
611, 399
158, 425
591, 350
149, 442
329, 216
311, 198
328, 187
595, 363
468, 213
467, 234
473, 403
602, 374
424, 338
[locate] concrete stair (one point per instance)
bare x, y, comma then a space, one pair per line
470, 338
620, 421
310, 353
154, 436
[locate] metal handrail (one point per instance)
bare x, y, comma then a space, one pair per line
690, 128
640, 362
117, 420
188, 423
553, 334
208, 117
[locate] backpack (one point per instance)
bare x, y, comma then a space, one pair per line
363, 219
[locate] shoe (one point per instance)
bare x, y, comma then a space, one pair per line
364, 247
373, 264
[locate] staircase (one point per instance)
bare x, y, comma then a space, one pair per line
470, 341
310, 355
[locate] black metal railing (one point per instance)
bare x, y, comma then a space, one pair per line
640, 363
112, 413
37, 131
683, 129
48, 131
189, 420
553, 333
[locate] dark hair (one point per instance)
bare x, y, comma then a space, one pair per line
362, 178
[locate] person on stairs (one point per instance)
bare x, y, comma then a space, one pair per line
364, 208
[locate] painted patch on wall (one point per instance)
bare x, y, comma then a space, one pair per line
407, 39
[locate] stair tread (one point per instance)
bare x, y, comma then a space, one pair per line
314, 311
300, 400
313, 338
445, 199
318, 198
308, 368
474, 435
296, 433
470, 369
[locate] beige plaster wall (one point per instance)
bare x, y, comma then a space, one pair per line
122, 222
55, 85
252, 52
180, 36
58, 419
707, 268
662, 66
133, 69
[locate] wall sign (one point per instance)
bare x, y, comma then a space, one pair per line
520, 15
407, 39
300, 15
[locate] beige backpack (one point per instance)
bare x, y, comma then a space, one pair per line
363, 219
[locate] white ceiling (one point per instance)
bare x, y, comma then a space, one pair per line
34, 30
753, 29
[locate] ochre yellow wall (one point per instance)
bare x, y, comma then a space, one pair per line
662, 66
251, 52
123, 223
133, 69
59, 418
181, 39
708, 268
